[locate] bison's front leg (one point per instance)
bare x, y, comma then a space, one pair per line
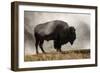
36, 45
41, 46
57, 46
59, 49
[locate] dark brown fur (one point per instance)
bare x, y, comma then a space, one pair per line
60, 33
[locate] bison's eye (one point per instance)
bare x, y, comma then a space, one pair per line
73, 30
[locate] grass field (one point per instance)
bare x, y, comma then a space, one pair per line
66, 55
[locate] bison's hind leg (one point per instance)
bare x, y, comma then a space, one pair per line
36, 45
37, 42
41, 45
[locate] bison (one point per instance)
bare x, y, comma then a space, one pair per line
58, 31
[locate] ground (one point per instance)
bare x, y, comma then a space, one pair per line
66, 55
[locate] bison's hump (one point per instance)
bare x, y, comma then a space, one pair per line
50, 27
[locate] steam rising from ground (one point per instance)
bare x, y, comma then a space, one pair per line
80, 21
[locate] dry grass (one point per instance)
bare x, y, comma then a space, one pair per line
66, 55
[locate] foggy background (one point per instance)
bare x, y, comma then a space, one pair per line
81, 22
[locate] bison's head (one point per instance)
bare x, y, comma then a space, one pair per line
72, 35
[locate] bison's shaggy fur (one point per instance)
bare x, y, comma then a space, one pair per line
58, 31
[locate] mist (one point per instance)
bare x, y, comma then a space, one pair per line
81, 22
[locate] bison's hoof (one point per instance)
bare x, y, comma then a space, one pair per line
44, 52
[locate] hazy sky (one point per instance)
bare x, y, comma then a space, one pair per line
80, 21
